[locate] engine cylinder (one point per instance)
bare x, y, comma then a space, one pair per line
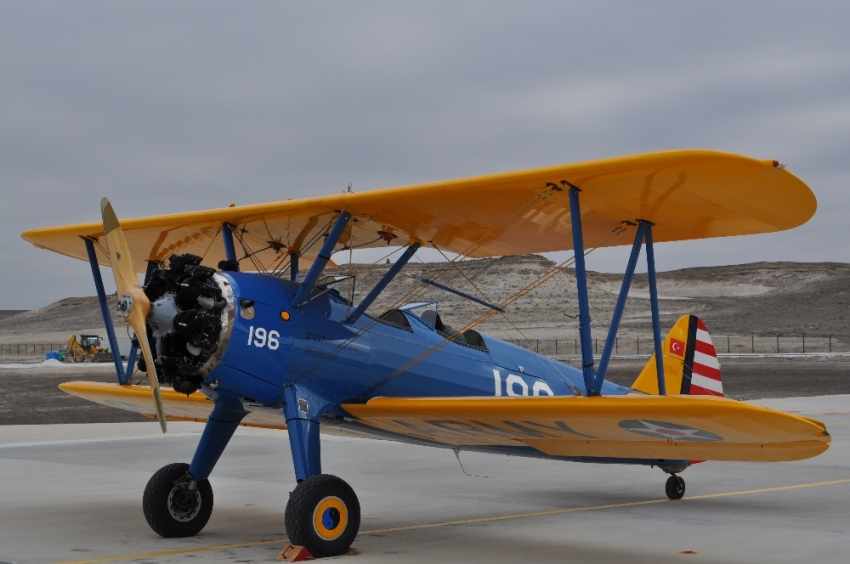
190, 322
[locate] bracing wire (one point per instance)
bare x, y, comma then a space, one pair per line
416, 290
499, 327
212, 240
488, 314
477, 289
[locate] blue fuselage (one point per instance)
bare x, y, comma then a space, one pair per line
335, 361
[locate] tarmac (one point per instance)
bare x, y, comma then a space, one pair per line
72, 493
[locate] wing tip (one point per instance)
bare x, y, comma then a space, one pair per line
110, 220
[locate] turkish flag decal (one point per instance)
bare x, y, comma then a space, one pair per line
677, 347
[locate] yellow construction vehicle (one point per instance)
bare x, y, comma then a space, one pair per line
89, 348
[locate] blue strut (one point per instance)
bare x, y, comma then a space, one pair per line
123, 378
131, 365
321, 260
229, 247
293, 266
621, 305
134, 351
303, 437
583, 305
461, 294
382, 283
221, 425
653, 303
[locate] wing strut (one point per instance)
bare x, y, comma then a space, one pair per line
123, 377
653, 304
583, 304
229, 247
322, 259
644, 233
293, 266
461, 294
593, 381
621, 305
134, 351
382, 283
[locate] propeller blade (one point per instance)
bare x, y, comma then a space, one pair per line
133, 305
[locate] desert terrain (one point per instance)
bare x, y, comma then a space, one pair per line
759, 299
746, 308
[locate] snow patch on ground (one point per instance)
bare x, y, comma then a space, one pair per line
53, 363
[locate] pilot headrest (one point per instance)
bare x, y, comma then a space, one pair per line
429, 317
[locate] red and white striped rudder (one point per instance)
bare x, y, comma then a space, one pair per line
705, 369
690, 362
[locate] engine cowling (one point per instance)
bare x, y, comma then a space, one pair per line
190, 322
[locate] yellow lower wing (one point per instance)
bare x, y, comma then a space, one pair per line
178, 407
633, 426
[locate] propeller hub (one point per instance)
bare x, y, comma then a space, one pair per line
125, 306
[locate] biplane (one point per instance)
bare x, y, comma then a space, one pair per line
239, 324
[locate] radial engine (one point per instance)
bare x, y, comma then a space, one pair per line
190, 321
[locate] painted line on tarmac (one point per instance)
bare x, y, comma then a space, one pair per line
599, 507
474, 521
61, 442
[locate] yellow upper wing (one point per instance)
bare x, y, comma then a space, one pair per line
632, 426
690, 194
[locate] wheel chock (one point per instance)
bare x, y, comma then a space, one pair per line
298, 553
295, 553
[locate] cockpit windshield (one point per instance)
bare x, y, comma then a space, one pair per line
428, 313
340, 288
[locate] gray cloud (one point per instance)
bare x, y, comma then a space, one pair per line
173, 106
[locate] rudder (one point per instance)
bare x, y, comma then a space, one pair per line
690, 362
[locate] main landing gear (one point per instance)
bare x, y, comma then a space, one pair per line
323, 514
175, 504
675, 487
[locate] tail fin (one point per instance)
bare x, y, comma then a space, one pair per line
690, 362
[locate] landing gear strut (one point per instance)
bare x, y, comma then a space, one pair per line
675, 487
175, 504
323, 514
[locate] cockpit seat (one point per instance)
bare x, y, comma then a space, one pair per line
474, 339
430, 317
395, 317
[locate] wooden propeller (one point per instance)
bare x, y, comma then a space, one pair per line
133, 305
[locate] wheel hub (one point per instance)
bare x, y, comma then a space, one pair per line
330, 518
183, 503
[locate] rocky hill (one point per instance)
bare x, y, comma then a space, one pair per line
761, 298
751, 299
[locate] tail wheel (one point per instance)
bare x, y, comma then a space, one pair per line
323, 514
675, 487
173, 507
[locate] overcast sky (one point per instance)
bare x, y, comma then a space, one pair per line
176, 106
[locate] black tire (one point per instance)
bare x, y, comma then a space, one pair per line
171, 509
675, 487
323, 514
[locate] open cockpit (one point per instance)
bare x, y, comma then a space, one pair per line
427, 314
